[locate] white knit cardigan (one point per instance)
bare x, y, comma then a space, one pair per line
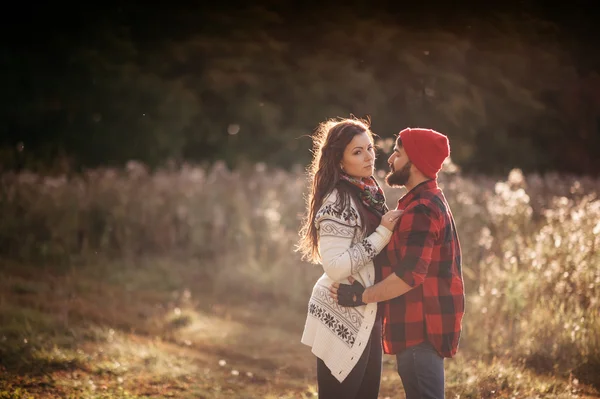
338, 335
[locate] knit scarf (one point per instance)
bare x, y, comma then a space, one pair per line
370, 193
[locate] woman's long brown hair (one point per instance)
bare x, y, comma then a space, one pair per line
329, 142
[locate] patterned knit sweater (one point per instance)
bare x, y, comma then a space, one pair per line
337, 334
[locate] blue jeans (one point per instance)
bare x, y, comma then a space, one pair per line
421, 370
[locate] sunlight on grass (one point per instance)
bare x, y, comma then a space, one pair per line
135, 291
478, 379
124, 354
189, 324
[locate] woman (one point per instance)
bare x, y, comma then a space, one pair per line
347, 225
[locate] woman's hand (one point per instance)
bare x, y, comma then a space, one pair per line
349, 295
390, 219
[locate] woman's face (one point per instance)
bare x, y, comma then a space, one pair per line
359, 157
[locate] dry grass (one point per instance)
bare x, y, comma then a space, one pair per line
156, 329
106, 337
123, 283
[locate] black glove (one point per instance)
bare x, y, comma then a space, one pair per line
350, 295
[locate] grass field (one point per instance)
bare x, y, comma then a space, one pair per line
157, 329
184, 284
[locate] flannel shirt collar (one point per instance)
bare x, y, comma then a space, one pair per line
419, 188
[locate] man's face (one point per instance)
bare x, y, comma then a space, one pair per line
400, 168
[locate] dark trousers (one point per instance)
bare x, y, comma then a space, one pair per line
363, 380
421, 370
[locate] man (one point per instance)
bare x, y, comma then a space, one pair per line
421, 287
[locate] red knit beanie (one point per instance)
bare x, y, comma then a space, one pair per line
426, 149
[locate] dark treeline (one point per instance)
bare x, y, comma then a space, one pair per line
94, 85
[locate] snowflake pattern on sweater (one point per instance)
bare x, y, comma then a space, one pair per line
349, 215
342, 321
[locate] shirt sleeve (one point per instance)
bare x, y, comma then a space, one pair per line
339, 257
411, 246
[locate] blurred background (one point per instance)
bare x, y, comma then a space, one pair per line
512, 85
152, 183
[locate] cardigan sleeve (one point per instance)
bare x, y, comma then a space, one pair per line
339, 257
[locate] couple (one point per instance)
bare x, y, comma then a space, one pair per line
393, 279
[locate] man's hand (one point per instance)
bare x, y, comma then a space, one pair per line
348, 295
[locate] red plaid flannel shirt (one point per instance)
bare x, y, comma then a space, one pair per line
424, 251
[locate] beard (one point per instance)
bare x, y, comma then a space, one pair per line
400, 177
